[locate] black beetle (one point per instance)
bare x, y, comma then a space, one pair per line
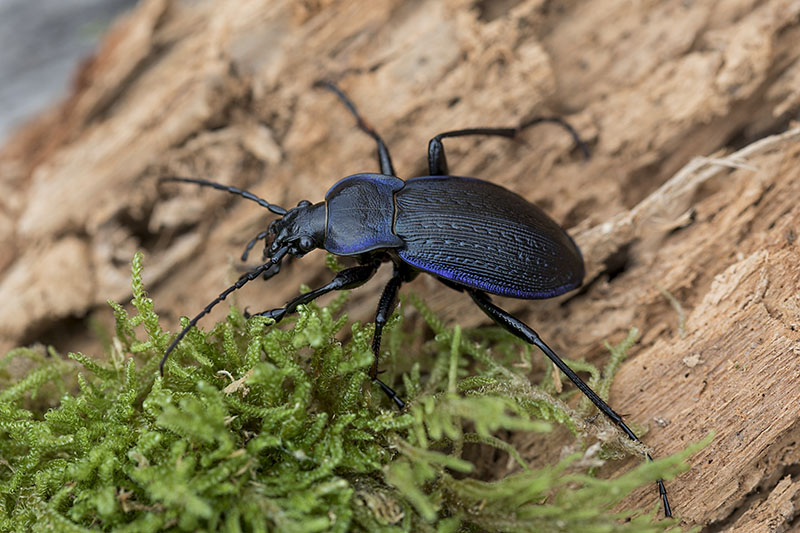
470, 234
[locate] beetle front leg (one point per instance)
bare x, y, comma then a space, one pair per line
524, 332
348, 278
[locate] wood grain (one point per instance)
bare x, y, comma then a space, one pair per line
222, 90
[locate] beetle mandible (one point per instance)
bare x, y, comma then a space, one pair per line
472, 235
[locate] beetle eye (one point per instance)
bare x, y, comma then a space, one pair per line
305, 244
303, 203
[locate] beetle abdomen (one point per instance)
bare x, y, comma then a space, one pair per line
484, 236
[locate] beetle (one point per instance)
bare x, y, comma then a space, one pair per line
472, 235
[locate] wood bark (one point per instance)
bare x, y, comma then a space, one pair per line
692, 190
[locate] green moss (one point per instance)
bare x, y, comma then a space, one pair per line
260, 428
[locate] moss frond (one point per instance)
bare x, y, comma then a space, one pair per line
262, 428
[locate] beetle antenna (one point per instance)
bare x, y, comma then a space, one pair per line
250, 276
233, 190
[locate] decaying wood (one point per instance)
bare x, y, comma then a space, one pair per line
686, 193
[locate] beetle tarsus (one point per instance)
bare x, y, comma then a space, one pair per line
391, 394
579, 143
662, 491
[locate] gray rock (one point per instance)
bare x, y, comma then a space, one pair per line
41, 43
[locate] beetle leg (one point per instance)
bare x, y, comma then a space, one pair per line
437, 161
384, 159
348, 278
524, 332
385, 308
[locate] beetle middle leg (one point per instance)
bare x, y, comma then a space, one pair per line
384, 159
385, 307
437, 161
351, 278
524, 332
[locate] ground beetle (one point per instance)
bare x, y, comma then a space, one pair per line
470, 234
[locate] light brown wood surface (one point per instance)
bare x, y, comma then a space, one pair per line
693, 189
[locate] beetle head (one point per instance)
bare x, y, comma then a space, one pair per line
301, 230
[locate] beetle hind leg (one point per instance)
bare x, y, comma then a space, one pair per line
437, 161
524, 332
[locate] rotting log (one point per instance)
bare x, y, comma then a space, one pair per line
688, 192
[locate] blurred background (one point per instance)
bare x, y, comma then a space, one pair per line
41, 43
